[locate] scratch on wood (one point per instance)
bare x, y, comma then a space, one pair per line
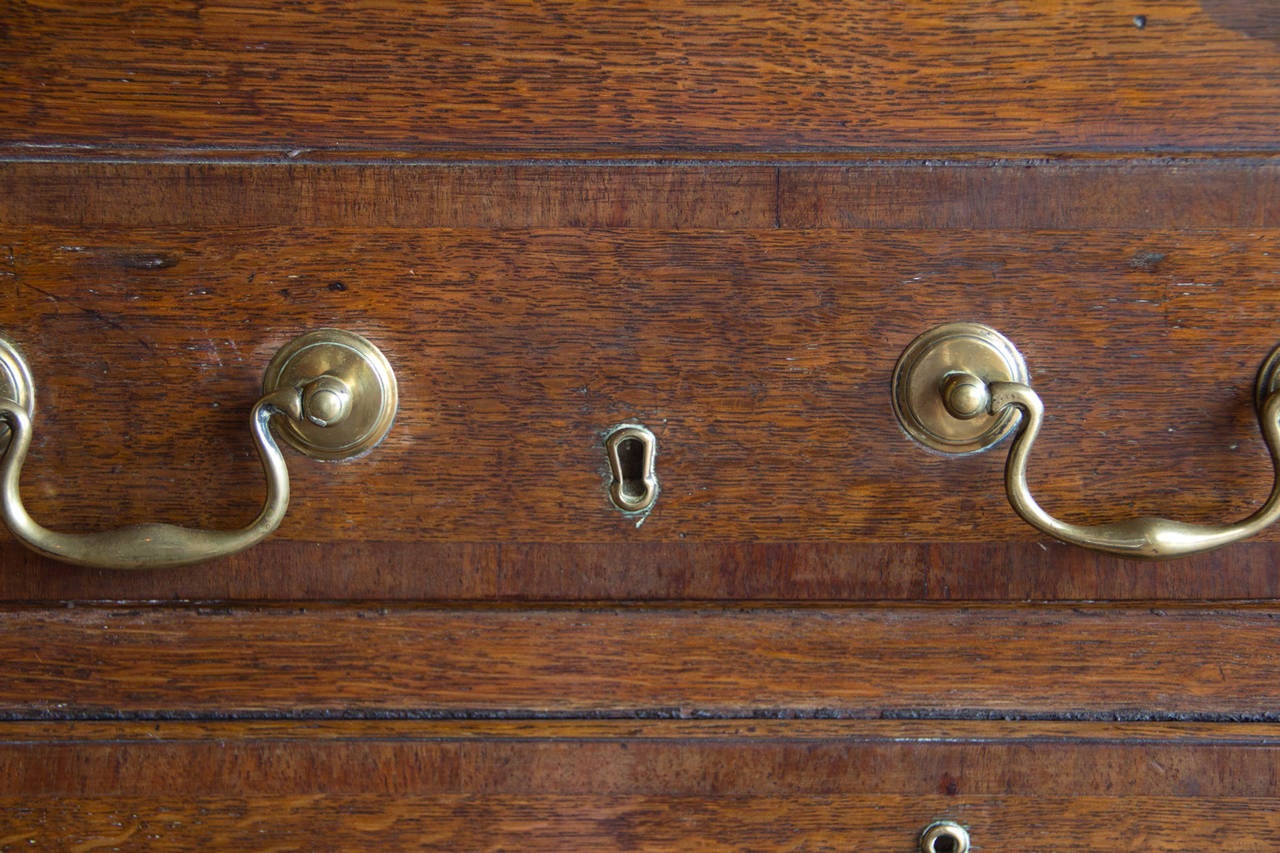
95, 314
144, 260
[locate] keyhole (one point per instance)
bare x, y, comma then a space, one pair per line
631, 462
631, 453
945, 836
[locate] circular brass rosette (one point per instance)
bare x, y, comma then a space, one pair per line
927, 372
349, 393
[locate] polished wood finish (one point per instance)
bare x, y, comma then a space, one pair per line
706, 572
237, 189
515, 352
750, 315
723, 220
563, 77
904, 661
642, 786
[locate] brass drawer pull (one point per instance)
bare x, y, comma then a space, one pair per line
958, 389
336, 393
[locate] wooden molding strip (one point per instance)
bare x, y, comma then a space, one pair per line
735, 195
1092, 663
816, 75
638, 786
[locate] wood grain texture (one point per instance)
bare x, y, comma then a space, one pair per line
1067, 192
761, 360
725, 220
904, 661
575, 76
593, 786
233, 194
1068, 195
657, 571
751, 314
650, 822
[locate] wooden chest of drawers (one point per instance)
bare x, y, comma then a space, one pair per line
723, 222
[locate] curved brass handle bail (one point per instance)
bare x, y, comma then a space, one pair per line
147, 546
338, 396
960, 387
1146, 538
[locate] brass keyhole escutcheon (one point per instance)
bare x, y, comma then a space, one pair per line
632, 449
944, 836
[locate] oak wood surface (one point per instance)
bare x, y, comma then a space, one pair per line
870, 662
759, 357
591, 76
725, 220
751, 326
232, 189
761, 360
547, 822
628, 785
657, 571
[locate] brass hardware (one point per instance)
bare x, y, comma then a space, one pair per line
16, 384
944, 836
631, 450
329, 397
1145, 538
349, 393
932, 371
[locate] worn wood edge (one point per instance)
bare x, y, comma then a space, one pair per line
734, 195
14, 733
668, 573
31, 152
1112, 664
881, 823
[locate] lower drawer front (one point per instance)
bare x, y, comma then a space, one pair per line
636, 785
1039, 728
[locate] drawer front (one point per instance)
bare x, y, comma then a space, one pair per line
751, 317
668, 785
339, 727
724, 222
721, 222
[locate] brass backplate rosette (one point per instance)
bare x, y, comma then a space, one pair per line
923, 370
334, 354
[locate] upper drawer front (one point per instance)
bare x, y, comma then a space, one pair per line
750, 316
814, 75
187, 189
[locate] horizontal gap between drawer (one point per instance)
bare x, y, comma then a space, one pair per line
868, 158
